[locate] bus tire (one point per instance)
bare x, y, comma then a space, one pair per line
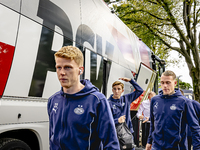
13, 144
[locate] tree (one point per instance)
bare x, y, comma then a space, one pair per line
173, 24
183, 85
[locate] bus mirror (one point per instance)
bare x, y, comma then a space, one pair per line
161, 67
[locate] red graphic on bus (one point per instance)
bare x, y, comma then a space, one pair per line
6, 57
136, 103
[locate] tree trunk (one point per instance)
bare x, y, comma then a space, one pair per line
196, 83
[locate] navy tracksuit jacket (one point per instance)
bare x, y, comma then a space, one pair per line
81, 121
169, 115
120, 107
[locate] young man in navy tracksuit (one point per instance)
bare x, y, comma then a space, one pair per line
120, 105
79, 115
170, 111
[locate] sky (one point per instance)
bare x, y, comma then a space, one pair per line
182, 70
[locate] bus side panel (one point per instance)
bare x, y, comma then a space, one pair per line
8, 33
24, 58
117, 72
12, 4
114, 40
63, 16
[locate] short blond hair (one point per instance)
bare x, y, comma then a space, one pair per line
71, 52
169, 73
151, 93
118, 83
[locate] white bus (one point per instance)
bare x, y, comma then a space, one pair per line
30, 33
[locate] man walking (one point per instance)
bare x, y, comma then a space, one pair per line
79, 115
170, 111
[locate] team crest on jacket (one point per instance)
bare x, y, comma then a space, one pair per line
173, 107
79, 110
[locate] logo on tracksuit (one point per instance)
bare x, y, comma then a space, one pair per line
114, 107
79, 110
55, 107
156, 105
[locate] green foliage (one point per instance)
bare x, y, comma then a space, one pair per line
111, 1
136, 15
183, 85
165, 25
106, 1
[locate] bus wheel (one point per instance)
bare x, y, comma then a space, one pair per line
13, 144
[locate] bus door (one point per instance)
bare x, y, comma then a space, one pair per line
97, 70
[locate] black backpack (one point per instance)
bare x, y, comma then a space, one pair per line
125, 136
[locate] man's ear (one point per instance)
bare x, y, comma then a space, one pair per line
175, 82
81, 69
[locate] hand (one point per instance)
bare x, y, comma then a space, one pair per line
141, 117
136, 101
148, 146
147, 119
121, 119
125, 79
